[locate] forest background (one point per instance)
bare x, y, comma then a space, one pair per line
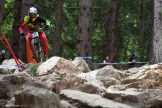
116, 28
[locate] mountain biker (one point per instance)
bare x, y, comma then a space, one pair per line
33, 22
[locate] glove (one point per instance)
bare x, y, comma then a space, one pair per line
22, 34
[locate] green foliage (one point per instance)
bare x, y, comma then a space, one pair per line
8, 16
128, 27
7, 23
70, 9
99, 28
33, 69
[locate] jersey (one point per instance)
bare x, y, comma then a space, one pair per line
33, 24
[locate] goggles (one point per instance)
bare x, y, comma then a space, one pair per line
32, 15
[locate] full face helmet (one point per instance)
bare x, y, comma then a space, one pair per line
32, 12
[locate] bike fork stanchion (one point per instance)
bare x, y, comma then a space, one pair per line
6, 44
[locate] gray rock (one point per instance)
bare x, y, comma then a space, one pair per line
90, 100
34, 97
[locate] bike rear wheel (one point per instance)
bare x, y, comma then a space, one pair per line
37, 50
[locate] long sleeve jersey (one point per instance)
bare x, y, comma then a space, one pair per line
32, 24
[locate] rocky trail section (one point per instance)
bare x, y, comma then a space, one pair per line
61, 83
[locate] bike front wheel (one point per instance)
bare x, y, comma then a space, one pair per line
37, 50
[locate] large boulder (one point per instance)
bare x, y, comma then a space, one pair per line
85, 100
14, 82
58, 65
8, 66
34, 97
106, 76
9, 62
4, 90
77, 83
150, 98
110, 72
81, 64
50, 81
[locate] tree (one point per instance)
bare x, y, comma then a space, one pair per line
16, 23
126, 31
141, 43
26, 4
1, 12
156, 50
58, 28
84, 29
110, 38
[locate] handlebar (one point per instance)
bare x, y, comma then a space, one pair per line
40, 29
33, 31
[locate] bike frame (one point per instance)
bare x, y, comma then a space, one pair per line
29, 39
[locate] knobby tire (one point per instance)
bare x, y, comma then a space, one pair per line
37, 50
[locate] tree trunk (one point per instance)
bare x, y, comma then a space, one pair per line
26, 4
110, 38
141, 43
1, 12
84, 30
15, 31
117, 39
157, 32
58, 28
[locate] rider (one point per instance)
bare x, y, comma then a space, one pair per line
132, 60
33, 22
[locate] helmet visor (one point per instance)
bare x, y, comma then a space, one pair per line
32, 15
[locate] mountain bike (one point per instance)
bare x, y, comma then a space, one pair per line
35, 45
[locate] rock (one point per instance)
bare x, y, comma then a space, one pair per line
66, 104
86, 100
4, 90
77, 83
81, 64
58, 65
33, 97
108, 72
9, 66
